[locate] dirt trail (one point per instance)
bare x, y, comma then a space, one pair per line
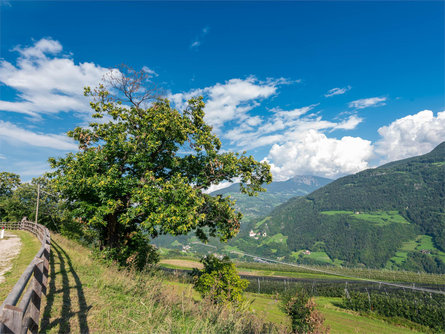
9, 248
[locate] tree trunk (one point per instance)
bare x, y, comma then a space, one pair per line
112, 239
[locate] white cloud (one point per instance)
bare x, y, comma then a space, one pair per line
232, 100
411, 135
349, 124
312, 152
46, 81
337, 91
369, 102
283, 126
151, 73
215, 187
198, 40
14, 134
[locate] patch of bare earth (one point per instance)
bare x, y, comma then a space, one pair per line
183, 263
9, 248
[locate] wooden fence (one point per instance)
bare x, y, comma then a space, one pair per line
20, 311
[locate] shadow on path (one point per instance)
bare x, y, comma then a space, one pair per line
49, 318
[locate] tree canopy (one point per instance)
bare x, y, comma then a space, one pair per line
143, 166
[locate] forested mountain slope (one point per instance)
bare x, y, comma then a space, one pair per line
253, 208
276, 194
391, 216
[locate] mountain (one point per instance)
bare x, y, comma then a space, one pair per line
277, 193
252, 207
392, 216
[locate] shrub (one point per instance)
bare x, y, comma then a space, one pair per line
219, 281
300, 307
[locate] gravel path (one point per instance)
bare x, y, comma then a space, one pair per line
9, 248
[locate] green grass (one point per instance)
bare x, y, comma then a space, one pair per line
30, 247
365, 273
245, 268
345, 321
421, 242
337, 212
339, 320
318, 256
268, 269
261, 222
379, 218
85, 295
425, 242
231, 248
277, 238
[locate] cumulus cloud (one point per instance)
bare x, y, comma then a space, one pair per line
231, 100
411, 135
47, 81
13, 133
337, 91
312, 152
282, 126
369, 102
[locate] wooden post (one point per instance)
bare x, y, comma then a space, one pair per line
12, 319
46, 255
38, 200
33, 311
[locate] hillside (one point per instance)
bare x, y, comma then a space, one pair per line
276, 194
87, 295
392, 216
252, 207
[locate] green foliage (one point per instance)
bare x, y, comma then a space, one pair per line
426, 310
395, 203
130, 175
8, 182
300, 307
135, 252
22, 199
219, 281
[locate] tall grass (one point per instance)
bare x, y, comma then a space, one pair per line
86, 295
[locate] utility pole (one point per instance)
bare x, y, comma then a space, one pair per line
38, 200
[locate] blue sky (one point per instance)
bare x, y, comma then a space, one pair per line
322, 88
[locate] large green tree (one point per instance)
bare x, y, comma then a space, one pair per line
23, 199
8, 183
143, 167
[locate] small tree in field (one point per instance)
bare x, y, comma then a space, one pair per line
300, 307
142, 168
219, 280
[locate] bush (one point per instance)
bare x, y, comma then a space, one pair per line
219, 281
300, 307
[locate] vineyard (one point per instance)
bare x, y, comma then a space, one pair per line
420, 303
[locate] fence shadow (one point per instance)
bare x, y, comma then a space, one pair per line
49, 318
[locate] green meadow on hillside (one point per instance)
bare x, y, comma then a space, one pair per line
84, 294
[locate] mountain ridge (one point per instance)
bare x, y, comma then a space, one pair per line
367, 217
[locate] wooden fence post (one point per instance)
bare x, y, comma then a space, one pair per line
32, 316
26, 316
46, 255
12, 317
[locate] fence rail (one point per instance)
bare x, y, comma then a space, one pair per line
20, 311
